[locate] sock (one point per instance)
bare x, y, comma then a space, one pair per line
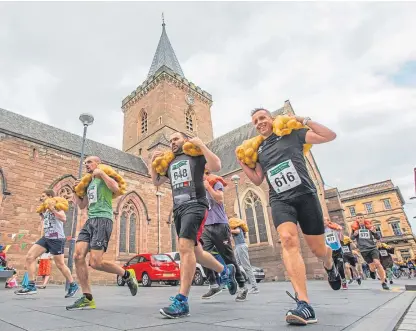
126, 275
182, 298
88, 296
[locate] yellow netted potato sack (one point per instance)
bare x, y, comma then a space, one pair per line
247, 151
60, 204
347, 240
191, 150
284, 124
161, 163
236, 222
81, 188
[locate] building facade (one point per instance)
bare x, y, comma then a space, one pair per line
382, 203
35, 156
335, 208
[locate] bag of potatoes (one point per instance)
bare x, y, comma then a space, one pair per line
247, 151
284, 124
161, 163
81, 188
191, 150
60, 204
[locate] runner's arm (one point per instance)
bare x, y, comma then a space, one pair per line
235, 231
213, 162
318, 133
59, 214
255, 175
156, 178
110, 182
217, 195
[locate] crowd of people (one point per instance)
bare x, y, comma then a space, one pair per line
203, 227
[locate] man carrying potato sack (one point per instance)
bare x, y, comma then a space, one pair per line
52, 241
190, 210
293, 200
96, 233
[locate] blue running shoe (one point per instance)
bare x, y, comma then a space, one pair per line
26, 290
228, 278
73, 288
177, 309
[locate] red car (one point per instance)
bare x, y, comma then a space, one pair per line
153, 268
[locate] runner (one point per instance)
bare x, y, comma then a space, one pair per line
365, 236
386, 259
293, 200
217, 233
350, 261
190, 210
333, 237
241, 253
52, 241
96, 233
411, 267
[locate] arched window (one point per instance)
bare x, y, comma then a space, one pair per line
257, 230
128, 229
143, 118
189, 121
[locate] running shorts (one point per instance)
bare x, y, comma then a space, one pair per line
189, 220
97, 232
370, 256
53, 246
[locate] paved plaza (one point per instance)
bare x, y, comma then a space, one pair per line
365, 307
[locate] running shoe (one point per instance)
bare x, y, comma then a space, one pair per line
81, 304
242, 294
359, 281
254, 290
73, 288
177, 309
372, 274
334, 279
132, 282
213, 291
344, 285
303, 314
385, 286
228, 278
27, 290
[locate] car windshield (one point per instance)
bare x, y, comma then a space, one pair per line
162, 258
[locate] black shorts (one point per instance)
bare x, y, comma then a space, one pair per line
190, 220
304, 209
337, 255
350, 259
370, 256
53, 246
97, 232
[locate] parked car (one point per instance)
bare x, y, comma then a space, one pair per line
151, 268
200, 277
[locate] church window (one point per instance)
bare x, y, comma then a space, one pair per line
128, 229
257, 231
144, 122
189, 121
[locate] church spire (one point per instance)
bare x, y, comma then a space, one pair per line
165, 55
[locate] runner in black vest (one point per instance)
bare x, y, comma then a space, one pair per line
293, 200
190, 209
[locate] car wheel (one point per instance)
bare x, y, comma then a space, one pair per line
120, 281
146, 281
258, 280
198, 278
174, 283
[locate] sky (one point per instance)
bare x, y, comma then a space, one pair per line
350, 66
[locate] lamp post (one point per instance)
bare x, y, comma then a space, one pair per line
158, 196
86, 120
236, 180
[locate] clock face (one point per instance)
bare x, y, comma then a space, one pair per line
190, 99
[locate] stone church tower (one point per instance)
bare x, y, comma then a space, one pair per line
164, 103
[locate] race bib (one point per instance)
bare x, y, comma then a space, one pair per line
330, 238
364, 234
283, 177
92, 194
345, 249
180, 173
384, 253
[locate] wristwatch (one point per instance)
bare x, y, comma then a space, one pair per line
305, 120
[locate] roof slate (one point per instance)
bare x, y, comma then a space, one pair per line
24, 127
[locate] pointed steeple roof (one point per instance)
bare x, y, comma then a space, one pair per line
165, 55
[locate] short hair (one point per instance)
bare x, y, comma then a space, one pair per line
49, 193
359, 214
184, 135
255, 110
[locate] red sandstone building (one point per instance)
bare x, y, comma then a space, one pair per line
35, 156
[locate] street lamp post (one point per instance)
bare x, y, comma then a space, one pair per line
236, 179
158, 196
86, 120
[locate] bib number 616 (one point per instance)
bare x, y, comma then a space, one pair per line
284, 179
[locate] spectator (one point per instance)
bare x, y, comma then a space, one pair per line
3, 259
44, 269
12, 281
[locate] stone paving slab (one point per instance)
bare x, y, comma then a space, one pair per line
409, 321
118, 310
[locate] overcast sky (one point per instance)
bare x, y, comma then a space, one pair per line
351, 66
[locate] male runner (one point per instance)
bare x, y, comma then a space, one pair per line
190, 210
242, 256
217, 233
386, 259
52, 241
350, 262
333, 237
368, 249
96, 233
293, 200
